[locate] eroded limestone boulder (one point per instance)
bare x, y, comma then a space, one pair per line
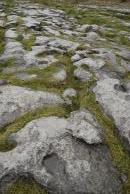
115, 99
61, 159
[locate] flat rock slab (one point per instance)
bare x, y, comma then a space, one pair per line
47, 150
94, 64
16, 101
115, 100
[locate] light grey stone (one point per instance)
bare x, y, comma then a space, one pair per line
69, 92
63, 44
58, 160
86, 28
75, 57
83, 125
127, 85
109, 57
124, 54
92, 36
116, 102
32, 59
31, 22
82, 74
60, 75
92, 63
11, 34
52, 31
2, 23
42, 40
13, 50
16, 101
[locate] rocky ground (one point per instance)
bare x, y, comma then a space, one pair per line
64, 99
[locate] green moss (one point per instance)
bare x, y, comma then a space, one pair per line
25, 186
2, 42
127, 76
9, 4
28, 43
9, 63
110, 35
43, 81
81, 47
124, 41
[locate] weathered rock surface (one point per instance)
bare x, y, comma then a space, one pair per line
15, 101
69, 92
68, 155
10, 34
82, 74
61, 75
93, 64
13, 50
47, 151
83, 126
115, 100
92, 36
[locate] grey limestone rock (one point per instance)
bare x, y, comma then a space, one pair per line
115, 100
16, 101
47, 150
82, 74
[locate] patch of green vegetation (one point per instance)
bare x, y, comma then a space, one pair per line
124, 41
43, 81
81, 47
124, 16
9, 63
109, 35
127, 76
2, 42
25, 186
9, 4
28, 43
18, 29
5, 132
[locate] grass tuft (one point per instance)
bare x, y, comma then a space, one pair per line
25, 186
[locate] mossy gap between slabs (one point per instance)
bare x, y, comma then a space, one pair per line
2, 40
9, 63
25, 185
119, 155
29, 42
70, 82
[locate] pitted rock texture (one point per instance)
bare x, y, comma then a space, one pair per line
83, 126
115, 100
60, 161
16, 101
74, 56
